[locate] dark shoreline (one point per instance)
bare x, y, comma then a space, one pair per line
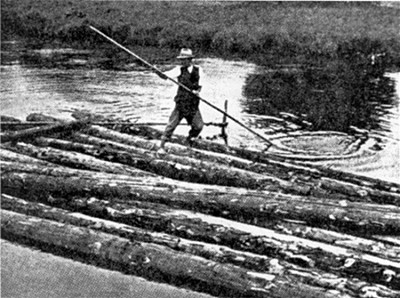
265, 33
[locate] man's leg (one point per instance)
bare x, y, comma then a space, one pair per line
197, 124
173, 122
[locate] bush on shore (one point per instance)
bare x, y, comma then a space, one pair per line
264, 32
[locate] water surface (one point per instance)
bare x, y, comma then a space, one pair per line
140, 96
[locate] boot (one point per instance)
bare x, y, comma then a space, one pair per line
190, 141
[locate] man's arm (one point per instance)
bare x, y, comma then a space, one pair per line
173, 73
161, 75
201, 73
201, 76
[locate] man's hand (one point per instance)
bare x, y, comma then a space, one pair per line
197, 91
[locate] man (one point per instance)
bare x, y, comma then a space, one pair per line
186, 103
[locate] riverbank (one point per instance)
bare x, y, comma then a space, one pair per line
267, 33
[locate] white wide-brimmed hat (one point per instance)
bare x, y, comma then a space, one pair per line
185, 54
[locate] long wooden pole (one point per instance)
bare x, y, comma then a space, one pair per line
183, 86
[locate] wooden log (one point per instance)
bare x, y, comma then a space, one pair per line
174, 166
369, 182
218, 253
4, 118
39, 117
260, 207
150, 260
258, 156
213, 171
382, 246
178, 149
298, 183
265, 157
369, 194
7, 155
62, 127
305, 253
284, 226
389, 193
147, 164
61, 172
394, 240
299, 251
12, 125
76, 160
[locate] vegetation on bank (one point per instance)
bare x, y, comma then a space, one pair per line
265, 32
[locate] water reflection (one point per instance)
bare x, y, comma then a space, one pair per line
332, 99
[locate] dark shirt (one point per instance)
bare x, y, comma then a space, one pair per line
186, 102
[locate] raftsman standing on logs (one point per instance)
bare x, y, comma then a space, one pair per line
186, 103
267, 141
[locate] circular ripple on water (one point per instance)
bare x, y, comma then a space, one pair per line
319, 146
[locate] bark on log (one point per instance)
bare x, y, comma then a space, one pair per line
284, 226
359, 180
266, 157
7, 155
305, 253
38, 117
66, 127
389, 194
394, 240
4, 118
60, 172
382, 246
173, 166
178, 149
258, 207
256, 156
369, 194
13, 125
222, 254
151, 260
196, 226
76, 160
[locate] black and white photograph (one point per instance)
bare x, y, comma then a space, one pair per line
199, 149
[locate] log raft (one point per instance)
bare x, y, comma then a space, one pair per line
222, 220
214, 252
338, 183
248, 206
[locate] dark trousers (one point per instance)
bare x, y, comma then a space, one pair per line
195, 121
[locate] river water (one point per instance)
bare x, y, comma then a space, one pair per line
140, 96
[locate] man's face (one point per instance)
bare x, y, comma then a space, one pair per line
186, 62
